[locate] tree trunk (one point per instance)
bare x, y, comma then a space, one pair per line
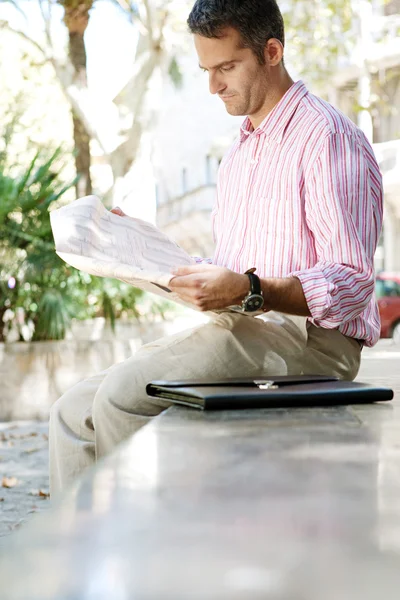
131, 100
82, 159
76, 18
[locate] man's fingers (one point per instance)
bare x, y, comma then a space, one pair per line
191, 280
190, 295
118, 211
191, 269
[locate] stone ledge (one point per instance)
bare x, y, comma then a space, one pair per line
248, 504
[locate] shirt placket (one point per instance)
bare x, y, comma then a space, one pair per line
248, 201
255, 157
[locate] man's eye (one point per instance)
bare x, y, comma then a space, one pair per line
226, 69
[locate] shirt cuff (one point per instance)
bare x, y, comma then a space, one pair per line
317, 291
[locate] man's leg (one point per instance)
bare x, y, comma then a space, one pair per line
326, 351
71, 433
94, 416
233, 345
329, 352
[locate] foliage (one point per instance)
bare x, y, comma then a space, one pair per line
318, 32
26, 248
32, 277
175, 73
159, 44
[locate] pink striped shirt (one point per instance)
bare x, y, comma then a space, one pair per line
302, 196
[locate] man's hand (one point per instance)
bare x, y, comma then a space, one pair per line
118, 211
209, 287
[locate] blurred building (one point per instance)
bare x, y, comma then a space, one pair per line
192, 135
367, 89
194, 131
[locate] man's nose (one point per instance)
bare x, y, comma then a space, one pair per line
216, 85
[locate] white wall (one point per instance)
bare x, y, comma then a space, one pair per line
191, 123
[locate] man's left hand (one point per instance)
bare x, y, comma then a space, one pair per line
209, 287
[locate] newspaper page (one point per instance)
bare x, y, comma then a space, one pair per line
92, 239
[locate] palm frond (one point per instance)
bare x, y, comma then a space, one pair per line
108, 309
23, 182
54, 316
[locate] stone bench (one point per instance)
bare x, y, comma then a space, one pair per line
267, 504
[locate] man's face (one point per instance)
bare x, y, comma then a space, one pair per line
234, 73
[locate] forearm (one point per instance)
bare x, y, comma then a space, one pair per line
285, 295
210, 287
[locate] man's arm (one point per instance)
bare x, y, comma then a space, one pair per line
344, 214
343, 205
211, 288
285, 295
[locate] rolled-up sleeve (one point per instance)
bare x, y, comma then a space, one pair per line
343, 207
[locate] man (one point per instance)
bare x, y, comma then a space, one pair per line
299, 199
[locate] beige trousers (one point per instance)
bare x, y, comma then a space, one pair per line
94, 416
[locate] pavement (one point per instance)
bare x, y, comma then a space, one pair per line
24, 480
24, 485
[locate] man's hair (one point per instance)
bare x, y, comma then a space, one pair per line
257, 21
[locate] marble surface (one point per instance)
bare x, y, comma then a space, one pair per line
300, 504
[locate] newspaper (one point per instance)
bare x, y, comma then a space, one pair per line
92, 239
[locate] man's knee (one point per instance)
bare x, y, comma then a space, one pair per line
124, 391
72, 410
118, 390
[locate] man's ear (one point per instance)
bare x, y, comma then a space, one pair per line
273, 52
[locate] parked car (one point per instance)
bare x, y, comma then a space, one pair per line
388, 294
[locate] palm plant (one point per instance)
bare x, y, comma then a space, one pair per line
49, 291
27, 256
32, 277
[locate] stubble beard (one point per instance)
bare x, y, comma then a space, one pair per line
238, 108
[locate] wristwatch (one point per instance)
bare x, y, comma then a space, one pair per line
254, 299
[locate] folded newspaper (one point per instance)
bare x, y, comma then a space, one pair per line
92, 239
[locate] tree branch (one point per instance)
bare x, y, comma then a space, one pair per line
73, 91
5, 25
46, 21
135, 17
66, 77
149, 20
15, 5
123, 157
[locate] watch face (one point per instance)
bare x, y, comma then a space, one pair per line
253, 303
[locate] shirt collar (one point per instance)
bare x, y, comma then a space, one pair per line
275, 122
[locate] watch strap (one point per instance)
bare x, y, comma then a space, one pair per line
255, 283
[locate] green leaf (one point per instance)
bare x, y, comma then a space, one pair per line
175, 73
54, 316
108, 309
